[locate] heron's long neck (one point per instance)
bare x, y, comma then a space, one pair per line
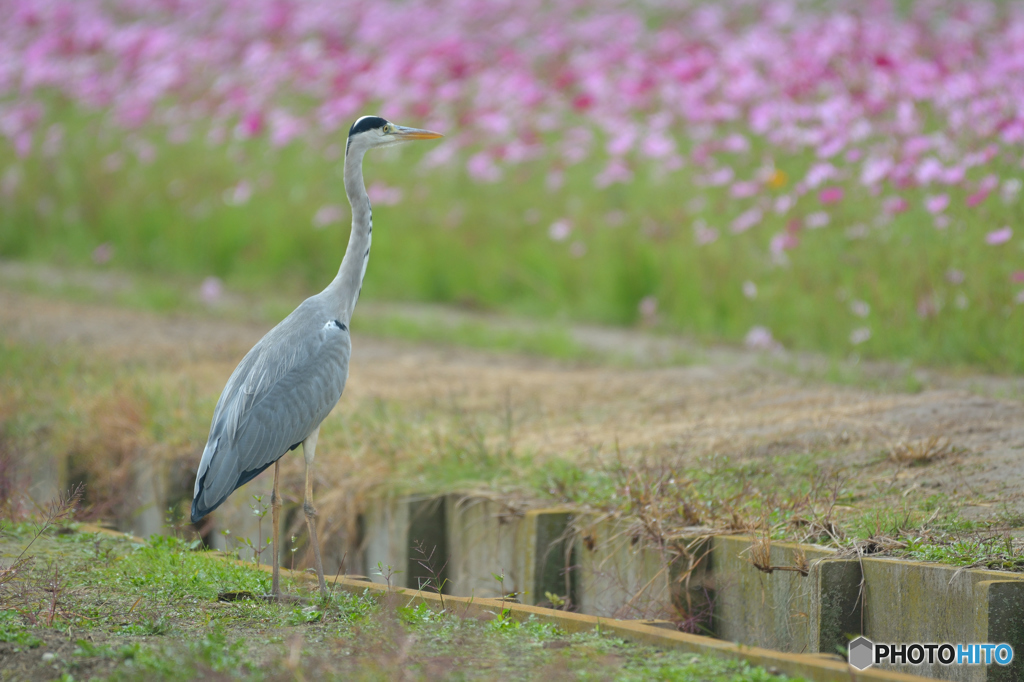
343, 292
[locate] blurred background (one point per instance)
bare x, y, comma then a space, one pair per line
842, 177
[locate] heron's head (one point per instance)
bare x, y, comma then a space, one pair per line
370, 132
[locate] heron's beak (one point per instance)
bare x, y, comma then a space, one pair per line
403, 133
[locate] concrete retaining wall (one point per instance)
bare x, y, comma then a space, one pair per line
784, 609
472, 539
622, 573
603, 567
908, 601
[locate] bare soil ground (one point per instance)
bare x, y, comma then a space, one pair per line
732, 402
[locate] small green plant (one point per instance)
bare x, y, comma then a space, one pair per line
259, 510
556, 601
59, 510
429, 564
13, 629
217, 651
386, 572
500, 579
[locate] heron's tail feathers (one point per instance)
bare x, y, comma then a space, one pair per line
204, 500
219, 476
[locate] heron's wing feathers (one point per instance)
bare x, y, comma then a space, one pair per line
279, 393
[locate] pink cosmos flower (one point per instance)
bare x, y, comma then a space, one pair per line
927, 307
719, 177
648, 308
239, 194
976, 198
250, 125
1000, 236
102, 254
554, 179
211, 290
988, 183
817, 220
616, 171
860, 335
482, 168
560, 230
936, 203
744, 189
760, 338
1017, 277
860, 308
875, 169
819, 173
328, 215
382, 194
1010, 190
894, 205
746, 220
783, 241
702, 234
831, 195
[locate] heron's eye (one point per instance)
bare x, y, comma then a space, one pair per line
387, 129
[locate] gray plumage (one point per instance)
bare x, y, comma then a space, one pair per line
289, 382
279, 393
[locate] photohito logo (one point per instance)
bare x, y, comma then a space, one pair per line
864, 653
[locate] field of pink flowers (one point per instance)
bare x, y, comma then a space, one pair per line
840, 176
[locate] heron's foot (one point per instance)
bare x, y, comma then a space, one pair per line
309, 509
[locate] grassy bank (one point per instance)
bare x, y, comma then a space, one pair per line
96, 419
87, 606
275, 220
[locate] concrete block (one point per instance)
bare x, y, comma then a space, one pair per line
482, 541
691, 584
408, 538
476, 537
784, 610
427, 549
386, 543
622, 574
545, 557
1001, 619
836, 613
909, 601
146, 509
42, 476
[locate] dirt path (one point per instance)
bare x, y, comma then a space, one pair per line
733, 404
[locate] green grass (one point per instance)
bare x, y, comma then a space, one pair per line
996, 552
486, 246
95, 607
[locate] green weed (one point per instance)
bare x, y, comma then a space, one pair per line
350, 636
14, 630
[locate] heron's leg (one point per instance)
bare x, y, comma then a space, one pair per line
275, 507
309, 451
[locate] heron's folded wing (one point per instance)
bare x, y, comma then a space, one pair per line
283, 388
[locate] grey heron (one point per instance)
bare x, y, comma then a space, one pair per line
284, 387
